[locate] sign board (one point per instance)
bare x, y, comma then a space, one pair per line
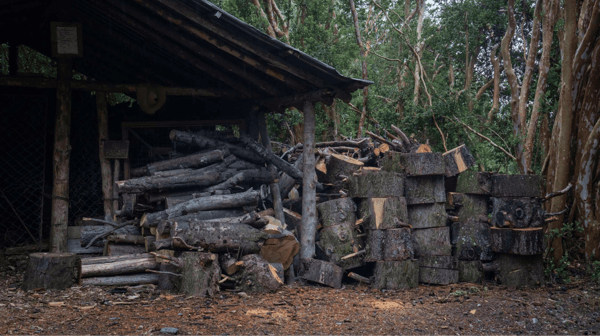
116, 149
66, 39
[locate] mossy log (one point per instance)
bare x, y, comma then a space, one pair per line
528, 241
470, 271
517, 186
458, 160
376, 183
398, 245
383, 213
517, 212
257, 275
473, 182
334, 212
438, 276
340, 167
396, 274
414, 164
520, 271
424, 189
422, 216
374, 245
338, 241
447, 262
435, 241
50, 271
471, 240
200, 274
471, 206
322, 272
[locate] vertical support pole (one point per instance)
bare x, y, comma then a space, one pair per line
310, 220
275, 194
107, 181
115, 191
61, 157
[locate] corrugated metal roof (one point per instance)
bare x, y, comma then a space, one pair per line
181, 43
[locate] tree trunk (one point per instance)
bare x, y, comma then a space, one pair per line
423, 216
373, 183
50, 271
122, 280
434, 241
197, 160
398, 244
200, 274
273, 185
101, 106
384, 213
117, 265
424, 189
61, 156
340, 167
308, 229
438, 276
528, 241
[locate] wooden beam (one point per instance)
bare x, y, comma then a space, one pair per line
310, 220
45, 83
271, 58
107, 185
324, 96
225, 64
61, 156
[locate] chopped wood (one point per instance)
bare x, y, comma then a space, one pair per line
340, 165
200, 274
352, 255
280, 249
376, 183
121, 280
435, 241
528, 241
50, 271
438, 276
360, 278
322, 272
113, 249
268, 156
414, 164
205, 142
257, 275
423, 216
473, 182
458, 160
337, 211
517, 212
396, 274
117, 267
127, 239
229, 264
516, 185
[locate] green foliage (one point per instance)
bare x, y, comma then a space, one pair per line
559, 272
594, 271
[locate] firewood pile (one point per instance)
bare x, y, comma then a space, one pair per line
391, 214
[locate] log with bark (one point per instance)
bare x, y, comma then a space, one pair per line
470, 271
529, 241
126, 239
196, 160
200, 274
50, 271
340, 167
194, 193
374, 245
517, 212
376, 183
516, 186
423, 216
113, 249
398, 245
229, 264
164, 225
257, 275
205, 142
122, 280
396, 274
194, 179
447, 262
89, 232
471, 240
322, 272
255, 176
438, 276
414, 164
384, 213
473, 182
270, 157
338, 241
435, 241
119, 265
342, 210
458, 160
518, 270
424, 189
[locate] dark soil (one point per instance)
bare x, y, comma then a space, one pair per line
303, 309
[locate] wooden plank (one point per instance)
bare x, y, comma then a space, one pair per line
434, 241
423, 216
517, 186
424, 189
528, 241
438, 276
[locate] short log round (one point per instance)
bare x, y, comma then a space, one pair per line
50, 271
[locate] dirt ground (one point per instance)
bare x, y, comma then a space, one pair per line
302, 309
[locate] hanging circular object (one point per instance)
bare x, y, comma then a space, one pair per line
151, 97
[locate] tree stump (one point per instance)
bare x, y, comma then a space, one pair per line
517, 212
438, 276
374, 245
257, 275
321, 272
516, 185
519, 271
200, 273
471, 240
50, 271
398, 245
396, 274
470, 271
376, 183
434, 241
458, 160
383, 213
341, 210
528, 241
424, 189
414, 164
473, 182
340, 167
424, 216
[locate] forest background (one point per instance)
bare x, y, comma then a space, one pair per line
517, 81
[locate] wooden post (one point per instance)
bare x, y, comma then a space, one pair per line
309, 193
115, 192
277, 202
107, 181
61, 156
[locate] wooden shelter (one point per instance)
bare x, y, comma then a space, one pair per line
216, 68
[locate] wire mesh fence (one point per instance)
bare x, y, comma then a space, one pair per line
22, 169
